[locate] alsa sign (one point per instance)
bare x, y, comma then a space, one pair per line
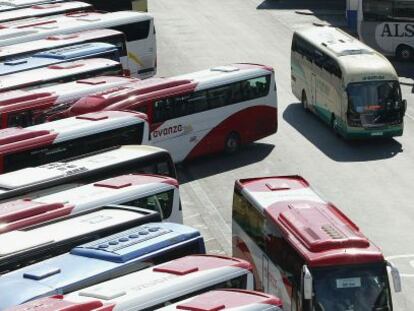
398, 30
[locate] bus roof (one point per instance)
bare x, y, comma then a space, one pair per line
55, 231
190, 272
55, 41
56, 56
21, 31
154, 87
43, 9
62, 92
15, 139
225, 299
56, 170
359, 61
24, 212
318, 230
53, 72
7, 5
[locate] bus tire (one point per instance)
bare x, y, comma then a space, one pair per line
404, 53
304, 101
334, 125
232, 143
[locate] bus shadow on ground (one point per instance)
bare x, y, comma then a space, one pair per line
404, 69
219, 163
336, 148
332, 12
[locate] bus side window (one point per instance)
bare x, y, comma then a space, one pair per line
404, 9
135, 31
249, 219
119, 42
331, 66
197, 102
20, 119
163, 169
219, 97
165, 201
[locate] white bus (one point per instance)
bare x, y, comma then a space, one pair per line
155, 287
154, 192
306, 251
24, 108
347, 84
138, 28
228, 299
202, 112
8, 5
45, 9
68, 138
19, 248
387, 26
58, 176
60, 73
26, 49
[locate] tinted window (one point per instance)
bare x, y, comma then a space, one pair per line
377, 10
135, 31
119, 42
161, 203
199, 101
404, 9
79, 146
249, 219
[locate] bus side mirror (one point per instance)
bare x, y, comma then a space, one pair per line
396, 278
307, 283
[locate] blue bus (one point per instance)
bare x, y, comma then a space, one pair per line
60, 55
101, 260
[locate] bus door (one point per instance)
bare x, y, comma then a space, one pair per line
313, 90
170, 128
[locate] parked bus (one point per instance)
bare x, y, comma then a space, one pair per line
138, 28
27, 49
60, 73
61, 55
228, 299
101, 260
51, 238
151, 288
44, 9
346, 83
24, 108
305, 250
202, 112
154, 192
9, 5
53, 177
387, 26
68, 138
120, 5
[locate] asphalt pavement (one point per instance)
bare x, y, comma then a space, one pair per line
370, 181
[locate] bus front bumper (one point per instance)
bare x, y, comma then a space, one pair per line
363, 133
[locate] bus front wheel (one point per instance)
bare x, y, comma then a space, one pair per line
405, 53
232, 143
304, 101
334, 125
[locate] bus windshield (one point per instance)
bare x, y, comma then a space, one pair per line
374, 103
359, 288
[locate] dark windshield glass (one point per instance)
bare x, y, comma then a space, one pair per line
352, 288
374, 103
